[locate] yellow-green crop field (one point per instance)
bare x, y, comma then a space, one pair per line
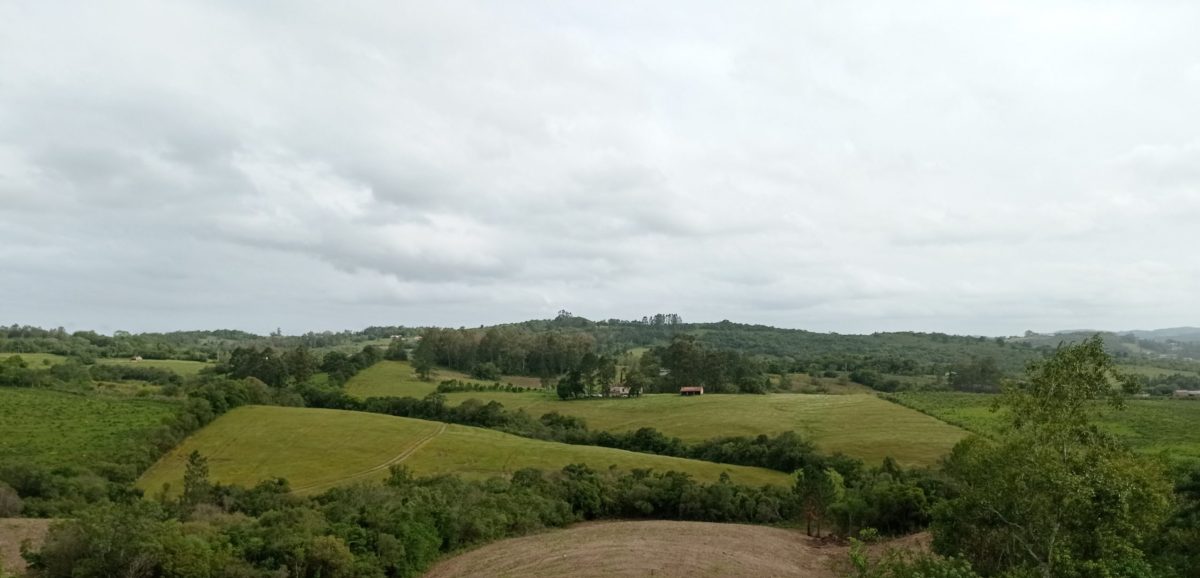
863, 426
320, 448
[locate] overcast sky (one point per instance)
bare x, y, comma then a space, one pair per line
841, 166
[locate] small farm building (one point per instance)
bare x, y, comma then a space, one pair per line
691, 390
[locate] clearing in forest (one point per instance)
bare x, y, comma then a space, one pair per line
399, 379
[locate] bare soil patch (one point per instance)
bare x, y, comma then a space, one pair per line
654, 548
14, 531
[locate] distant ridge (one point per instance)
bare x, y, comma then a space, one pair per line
1188, 334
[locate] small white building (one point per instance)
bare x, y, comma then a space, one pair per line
1186, 394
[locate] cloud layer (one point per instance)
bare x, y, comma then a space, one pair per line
834, 166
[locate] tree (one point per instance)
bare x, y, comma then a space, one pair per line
817, 491
422, 363
486, 371
301, 364
1053, 495
196, 487
396, 351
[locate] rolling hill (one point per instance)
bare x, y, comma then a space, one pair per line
863, 426
316, 449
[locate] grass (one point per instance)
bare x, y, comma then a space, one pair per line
36, 360
56, 429
398, 379
1148, 371
319, 448
181, 366
1170, 427
863, 426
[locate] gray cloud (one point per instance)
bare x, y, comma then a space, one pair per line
849, 167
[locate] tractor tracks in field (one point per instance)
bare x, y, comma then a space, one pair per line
398, 458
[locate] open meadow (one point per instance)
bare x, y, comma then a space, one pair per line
862, 426
35, 360
398, 379
181, 366
1149, 425
59, 429
318, 448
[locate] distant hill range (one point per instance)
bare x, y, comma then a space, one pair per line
1181, 334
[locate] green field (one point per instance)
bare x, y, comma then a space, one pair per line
398, 379
1149, 425
62, 429
180, 366
35, 360
862, 426
1148, 371
319, 448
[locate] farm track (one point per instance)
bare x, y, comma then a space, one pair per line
398, 458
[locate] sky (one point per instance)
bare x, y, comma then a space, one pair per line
980, 168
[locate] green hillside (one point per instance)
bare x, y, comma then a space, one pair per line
862, 426
1149, 425
316, 449
58, 429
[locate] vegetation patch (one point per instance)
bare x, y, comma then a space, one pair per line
316, 449
57, 429
181, 366
36, 360
399, 379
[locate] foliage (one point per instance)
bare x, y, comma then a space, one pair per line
903, 564
1054, 496
394, 529
117, 372
1150, 426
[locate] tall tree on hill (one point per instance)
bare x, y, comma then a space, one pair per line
423, 362
1055, 496
817, 491
301, 363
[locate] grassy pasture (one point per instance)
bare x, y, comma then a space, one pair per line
862, 426
62, 429
36, 360
1149, 425
318, 448
398, 379
1148, 371
181, 366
